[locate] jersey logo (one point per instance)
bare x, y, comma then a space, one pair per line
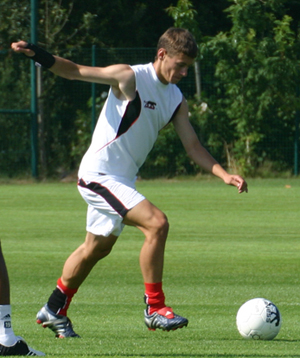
149, 104
7, 324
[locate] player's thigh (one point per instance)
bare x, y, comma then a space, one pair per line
146, 215
99, 242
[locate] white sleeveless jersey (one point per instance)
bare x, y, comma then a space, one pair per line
127, 130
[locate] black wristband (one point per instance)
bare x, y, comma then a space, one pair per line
41, 56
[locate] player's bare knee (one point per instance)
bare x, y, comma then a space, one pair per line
97, 253
100, 254
159, 225
164, 225
99, 246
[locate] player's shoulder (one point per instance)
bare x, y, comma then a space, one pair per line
143, 69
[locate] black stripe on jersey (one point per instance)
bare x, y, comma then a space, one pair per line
131, 114
113, 201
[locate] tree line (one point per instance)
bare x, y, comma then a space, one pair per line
247, 108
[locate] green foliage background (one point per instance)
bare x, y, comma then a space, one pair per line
246, 114
257, 74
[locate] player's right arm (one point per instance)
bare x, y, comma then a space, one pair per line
120, 77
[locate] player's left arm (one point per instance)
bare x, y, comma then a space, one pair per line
199, 154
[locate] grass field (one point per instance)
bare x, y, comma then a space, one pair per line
223, 249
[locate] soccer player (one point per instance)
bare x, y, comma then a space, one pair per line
10, 344
142, 100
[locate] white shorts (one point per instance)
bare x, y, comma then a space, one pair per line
109, 198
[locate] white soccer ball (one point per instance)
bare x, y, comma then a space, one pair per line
258, 318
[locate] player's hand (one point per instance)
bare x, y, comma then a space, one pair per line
20, 47
237, 181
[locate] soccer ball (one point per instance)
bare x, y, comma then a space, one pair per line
258, 319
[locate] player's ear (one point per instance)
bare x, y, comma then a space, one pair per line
161, 53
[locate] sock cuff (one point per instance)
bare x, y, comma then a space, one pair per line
154, 297
70, 292
153, 287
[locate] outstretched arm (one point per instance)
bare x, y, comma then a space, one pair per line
199, 154
120, 77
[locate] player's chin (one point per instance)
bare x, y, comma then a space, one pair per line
175, 80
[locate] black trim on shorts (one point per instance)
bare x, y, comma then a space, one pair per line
114, 202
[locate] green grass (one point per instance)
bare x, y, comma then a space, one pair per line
223, 249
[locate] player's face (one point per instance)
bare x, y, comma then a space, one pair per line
174, 68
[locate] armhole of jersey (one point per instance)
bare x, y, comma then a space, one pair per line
135, 82
175, 112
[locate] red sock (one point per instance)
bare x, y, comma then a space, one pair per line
154, 297
69, 293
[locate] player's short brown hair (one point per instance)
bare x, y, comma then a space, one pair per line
177, 40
